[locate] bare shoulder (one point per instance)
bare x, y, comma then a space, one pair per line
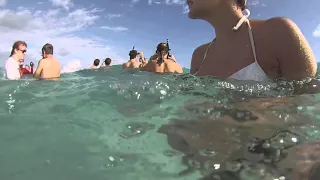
282, 27
197, 57
293, 51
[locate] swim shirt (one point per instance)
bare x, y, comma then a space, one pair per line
12, 69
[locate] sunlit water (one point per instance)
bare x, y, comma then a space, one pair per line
115, 124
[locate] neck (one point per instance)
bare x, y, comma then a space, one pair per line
223, 26
15, 57
49, 56
134, 59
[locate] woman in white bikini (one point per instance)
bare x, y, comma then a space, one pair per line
243, 49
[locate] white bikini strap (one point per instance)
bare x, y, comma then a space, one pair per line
245, 19
235, 28
252, 42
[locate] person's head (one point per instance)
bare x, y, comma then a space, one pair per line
19, 49
47, 50
28, 68
96, 62
107, 61
202, 9
162, 49
133, 54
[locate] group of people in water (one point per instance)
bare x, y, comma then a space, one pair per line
258, 50
48, 67
243, 49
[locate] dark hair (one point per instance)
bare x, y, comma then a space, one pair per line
133, 54
242, 4
47, 48
96, 62
16, 46
162, 48
107, 61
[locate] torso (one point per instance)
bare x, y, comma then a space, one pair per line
132, 64
12, 67
51, 68
168, 66
224, 59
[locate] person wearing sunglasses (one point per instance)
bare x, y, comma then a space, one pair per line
48, 68
12, 66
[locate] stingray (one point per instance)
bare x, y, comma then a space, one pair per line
244, 133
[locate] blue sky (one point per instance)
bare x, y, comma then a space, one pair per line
84, 30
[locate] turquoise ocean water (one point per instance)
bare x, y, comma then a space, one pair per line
115, 124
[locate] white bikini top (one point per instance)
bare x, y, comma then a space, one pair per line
251, 72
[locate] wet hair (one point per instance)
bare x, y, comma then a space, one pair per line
47, 48
107, 61
162, 49
133, 54
96, 62
16, 46
242, 4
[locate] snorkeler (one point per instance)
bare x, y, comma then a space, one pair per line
95, 65
12, 68
48, 67
244, 49
134, 63
163, 62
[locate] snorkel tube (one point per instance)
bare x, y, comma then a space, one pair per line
168, 49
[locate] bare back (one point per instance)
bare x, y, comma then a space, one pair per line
48, 68
168, 66
131, 65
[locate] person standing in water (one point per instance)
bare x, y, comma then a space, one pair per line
107, 63
134, 63
12, 66
162, 63
96, 63
48, 67
243, 49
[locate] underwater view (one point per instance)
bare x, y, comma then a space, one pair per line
118, 124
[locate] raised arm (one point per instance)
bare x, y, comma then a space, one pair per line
38, 72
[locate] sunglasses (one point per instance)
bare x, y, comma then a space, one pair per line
23, 51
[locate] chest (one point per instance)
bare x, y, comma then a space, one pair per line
224, 60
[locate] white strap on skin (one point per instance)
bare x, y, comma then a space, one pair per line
235, 28
244, 18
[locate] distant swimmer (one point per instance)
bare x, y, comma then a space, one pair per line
256, 50
107, 64
134, 62
163, 62
95, 65
48, 68
12, 66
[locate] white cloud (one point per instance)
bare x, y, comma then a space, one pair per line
116, 29
168, 2
316, 32
38, 27
66, 4
3, 3
111, 16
